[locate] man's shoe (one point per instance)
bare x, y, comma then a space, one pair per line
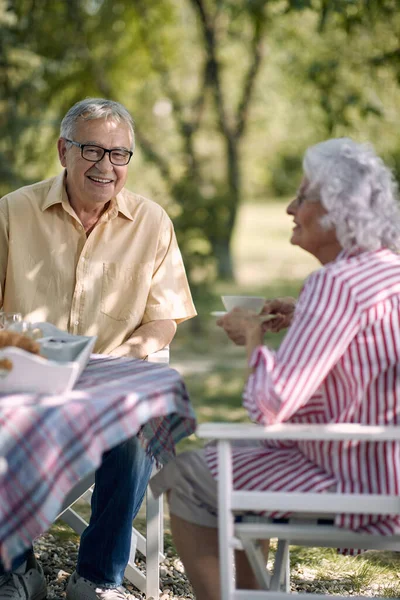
79, 588
30, 585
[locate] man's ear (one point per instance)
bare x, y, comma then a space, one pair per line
62, 149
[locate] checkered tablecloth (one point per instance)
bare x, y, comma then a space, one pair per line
49, 442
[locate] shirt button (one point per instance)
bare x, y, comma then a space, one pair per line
76, 323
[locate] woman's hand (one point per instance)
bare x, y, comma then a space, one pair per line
283, 308
239, 323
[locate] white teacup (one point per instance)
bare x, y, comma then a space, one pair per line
254, 303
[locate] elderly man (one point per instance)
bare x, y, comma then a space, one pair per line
84, 253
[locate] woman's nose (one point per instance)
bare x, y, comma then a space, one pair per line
291, 208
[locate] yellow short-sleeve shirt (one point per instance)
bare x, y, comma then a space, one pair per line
129, 271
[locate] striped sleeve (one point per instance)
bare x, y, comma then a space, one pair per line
325, 321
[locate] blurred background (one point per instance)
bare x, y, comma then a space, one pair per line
226, 95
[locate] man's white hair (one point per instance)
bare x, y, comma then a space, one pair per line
95, 108
357, 190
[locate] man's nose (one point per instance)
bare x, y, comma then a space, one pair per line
105, 164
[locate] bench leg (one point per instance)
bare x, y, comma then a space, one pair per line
256, 558
154, 543
281, 577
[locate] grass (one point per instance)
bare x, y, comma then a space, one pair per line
213, 369
325, 571
261, 250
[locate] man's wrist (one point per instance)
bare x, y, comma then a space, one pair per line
129, 350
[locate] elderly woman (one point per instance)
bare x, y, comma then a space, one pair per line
339, 362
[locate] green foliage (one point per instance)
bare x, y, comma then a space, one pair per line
393, 160
226, 95
286, 174
92, 56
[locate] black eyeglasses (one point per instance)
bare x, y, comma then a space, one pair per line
93, 153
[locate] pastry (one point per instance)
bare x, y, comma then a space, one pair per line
13, 338
5, 364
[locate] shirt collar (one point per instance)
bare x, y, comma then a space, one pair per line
58, 195
350, 252
122, 206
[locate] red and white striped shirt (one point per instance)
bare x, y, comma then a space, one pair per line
338, 363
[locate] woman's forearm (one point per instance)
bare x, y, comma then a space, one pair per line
254, 338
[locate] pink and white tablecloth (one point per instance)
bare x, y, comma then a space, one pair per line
48, 443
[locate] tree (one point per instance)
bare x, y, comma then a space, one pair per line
193, 74
17, 84
209, 201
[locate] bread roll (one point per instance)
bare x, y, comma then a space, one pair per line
5, 364
13, 338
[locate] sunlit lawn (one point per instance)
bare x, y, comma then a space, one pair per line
213, 368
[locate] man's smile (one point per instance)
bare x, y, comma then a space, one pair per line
101, 180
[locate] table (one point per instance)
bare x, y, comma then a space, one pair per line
49, 442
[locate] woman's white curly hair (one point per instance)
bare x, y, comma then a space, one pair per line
357, 190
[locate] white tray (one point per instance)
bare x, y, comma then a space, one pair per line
65, 355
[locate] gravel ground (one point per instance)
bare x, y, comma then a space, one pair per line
58, 559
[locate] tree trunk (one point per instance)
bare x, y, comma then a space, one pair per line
223, 255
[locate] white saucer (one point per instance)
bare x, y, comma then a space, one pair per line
267, 317
221, 313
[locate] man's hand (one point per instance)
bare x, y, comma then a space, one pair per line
283, 308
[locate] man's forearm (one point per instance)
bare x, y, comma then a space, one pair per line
148, 338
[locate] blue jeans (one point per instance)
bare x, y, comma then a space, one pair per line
120, 485
17, 562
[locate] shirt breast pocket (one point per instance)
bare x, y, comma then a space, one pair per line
124, 290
